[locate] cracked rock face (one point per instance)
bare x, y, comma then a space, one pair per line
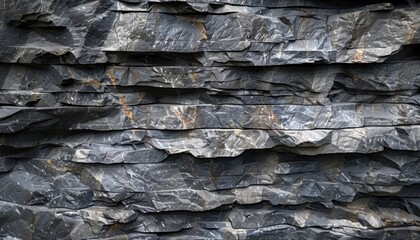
209, 119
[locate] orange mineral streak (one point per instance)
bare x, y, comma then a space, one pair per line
358, 57
202, 30
126, 109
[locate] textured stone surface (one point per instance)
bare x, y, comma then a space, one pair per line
209, 119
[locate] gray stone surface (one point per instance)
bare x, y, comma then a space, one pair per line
209, 119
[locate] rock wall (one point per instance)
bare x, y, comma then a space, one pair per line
209, 119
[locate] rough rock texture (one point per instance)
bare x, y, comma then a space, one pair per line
209, 119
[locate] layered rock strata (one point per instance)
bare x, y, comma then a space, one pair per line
209, 119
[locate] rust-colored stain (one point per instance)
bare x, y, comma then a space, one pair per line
141, 95
202, 30
32, 227
50, 163
237, 133
272, 117
34, 97
240, 134
112, 77
358, 57
193, 76
410, 34
93, 82
126, 110
113, 229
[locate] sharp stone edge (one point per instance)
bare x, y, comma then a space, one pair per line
209, 119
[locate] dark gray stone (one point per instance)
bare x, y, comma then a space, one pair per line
209, 119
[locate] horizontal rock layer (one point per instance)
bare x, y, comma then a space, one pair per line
209, 119
117, 32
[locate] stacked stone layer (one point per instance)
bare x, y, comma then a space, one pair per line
209, 119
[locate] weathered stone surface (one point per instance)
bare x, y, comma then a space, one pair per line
183, 182
185, 117
257, 37
209, 119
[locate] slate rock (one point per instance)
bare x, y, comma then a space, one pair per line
209, 119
